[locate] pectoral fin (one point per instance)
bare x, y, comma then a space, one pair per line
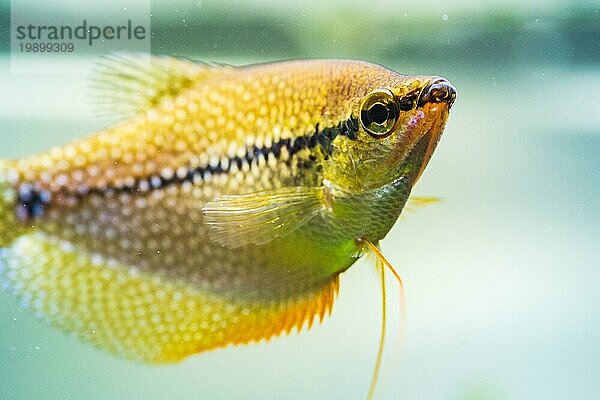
258, 218
416, 202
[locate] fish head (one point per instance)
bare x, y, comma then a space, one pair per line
400, 121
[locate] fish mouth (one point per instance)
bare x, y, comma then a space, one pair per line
438, 91
435, 99
424, 129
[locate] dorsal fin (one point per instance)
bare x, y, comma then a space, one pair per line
125, 84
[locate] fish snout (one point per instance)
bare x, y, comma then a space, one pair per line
440, 90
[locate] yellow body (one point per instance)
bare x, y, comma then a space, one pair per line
221, 210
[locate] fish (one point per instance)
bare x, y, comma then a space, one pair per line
223, 204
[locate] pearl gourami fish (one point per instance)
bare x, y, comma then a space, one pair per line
224, 206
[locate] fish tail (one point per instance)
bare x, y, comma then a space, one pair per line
10, 226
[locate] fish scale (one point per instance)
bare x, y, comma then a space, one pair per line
224, 206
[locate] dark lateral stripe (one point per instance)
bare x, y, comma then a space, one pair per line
32, 202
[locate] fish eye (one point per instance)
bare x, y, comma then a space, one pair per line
379, 113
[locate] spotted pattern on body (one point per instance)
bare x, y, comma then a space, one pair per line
107, 237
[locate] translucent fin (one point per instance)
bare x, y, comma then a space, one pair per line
258, 218
126, 84
416, 202
139, 316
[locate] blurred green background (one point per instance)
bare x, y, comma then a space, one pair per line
501, 277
